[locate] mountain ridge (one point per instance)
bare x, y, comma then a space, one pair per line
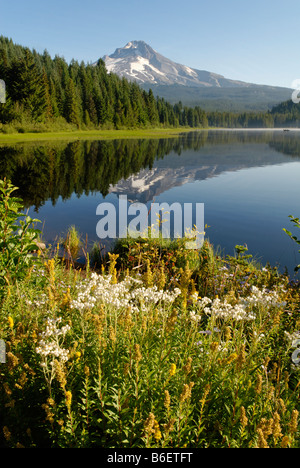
138, 61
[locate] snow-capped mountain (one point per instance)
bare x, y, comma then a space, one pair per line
139, 62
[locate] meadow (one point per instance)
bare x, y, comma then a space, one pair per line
73, 134
151, 346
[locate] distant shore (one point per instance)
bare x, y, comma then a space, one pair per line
261, 129
124, 134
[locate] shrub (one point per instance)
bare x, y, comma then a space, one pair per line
18, 237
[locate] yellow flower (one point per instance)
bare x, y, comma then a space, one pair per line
276, 426
258, 387
285, 442
157, 432
10, 322
78, 355
243, 419
149, 423
172, 370
262, 443
137, 353
293, 426
68, 396
167, 401
188, 367
6, 433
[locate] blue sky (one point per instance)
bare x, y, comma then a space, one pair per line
255, 41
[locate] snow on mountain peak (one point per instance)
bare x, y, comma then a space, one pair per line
137, 61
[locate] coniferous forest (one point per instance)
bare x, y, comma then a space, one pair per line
44, 93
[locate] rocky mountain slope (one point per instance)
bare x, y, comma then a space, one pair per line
139, 62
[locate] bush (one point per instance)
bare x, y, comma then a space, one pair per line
17, 237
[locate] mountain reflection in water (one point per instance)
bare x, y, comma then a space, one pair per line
247, 181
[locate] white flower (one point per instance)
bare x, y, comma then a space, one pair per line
264, 298
49, 344
121, 295
293, 338
195, 317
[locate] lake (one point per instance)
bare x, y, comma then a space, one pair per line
247, 180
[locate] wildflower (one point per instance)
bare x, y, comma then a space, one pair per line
113, 260
161, 278
227, 333
49, 345
78, 355
266, 425
285, 442
10, 322
195, 317
203, 302
59, 373
243, 419
7, 389
49, 414
171, 322
148, 277
50, 266
241, 358
258, 387
13, 361
186, 392
282, 405
157, 432
51, 402
137, 353
68, 396
6, 433
172, 370
112, 334
231, 358
188, 366
276, 426
293, 425
121, 295
262, 443
167, 401
114, 277
214, 346
66, 298
265, 298
149, 423
205, 394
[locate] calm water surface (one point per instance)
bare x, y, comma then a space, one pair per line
248, 181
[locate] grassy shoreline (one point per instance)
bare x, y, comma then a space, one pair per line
95, 134
71, 135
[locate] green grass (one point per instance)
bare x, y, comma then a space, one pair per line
93, 135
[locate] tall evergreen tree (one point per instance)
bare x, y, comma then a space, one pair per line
71, 107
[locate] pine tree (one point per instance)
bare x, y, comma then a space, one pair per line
71, 107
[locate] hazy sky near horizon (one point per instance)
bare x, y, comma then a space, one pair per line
255, 40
